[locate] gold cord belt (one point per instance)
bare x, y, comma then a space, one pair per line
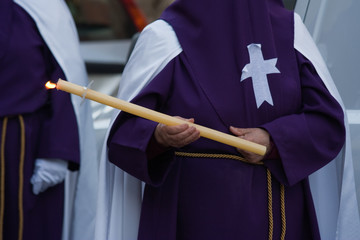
269, 187
21, 177
214, 155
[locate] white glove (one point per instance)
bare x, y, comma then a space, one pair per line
48, 172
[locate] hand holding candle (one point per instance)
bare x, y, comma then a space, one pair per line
156, 116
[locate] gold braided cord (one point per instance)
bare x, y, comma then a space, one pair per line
269, 187
283, 215
21, 177
271, 218
214, 155
2, 202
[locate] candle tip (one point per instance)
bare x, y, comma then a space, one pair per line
50, 85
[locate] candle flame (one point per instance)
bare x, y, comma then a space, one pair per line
50, 85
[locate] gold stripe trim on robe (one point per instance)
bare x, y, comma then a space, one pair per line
21, 177
2, 203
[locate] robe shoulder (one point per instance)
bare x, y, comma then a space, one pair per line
156, 46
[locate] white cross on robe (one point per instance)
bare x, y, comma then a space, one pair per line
257, 69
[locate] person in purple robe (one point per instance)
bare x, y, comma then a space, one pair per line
232, 66
39, 130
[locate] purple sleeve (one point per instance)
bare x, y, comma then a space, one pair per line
59, 138
130, 136
310, 139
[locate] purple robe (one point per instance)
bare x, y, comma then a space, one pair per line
220, 198
49, 123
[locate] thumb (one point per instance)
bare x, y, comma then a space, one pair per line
237, 131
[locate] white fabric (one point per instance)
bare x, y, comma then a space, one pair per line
57, 28
120, 195
47, 173
333, 187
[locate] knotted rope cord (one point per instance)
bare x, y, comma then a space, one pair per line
214, 155
2, 203
269, 186
21, 177
282, 208
271, 217
283, 215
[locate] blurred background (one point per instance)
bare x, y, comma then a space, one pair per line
114, 19
107, 28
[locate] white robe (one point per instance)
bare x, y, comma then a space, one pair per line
58, 30
120, 194
333, 186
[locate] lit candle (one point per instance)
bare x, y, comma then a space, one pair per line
156, 116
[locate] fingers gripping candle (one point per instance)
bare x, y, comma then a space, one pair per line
155, 116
